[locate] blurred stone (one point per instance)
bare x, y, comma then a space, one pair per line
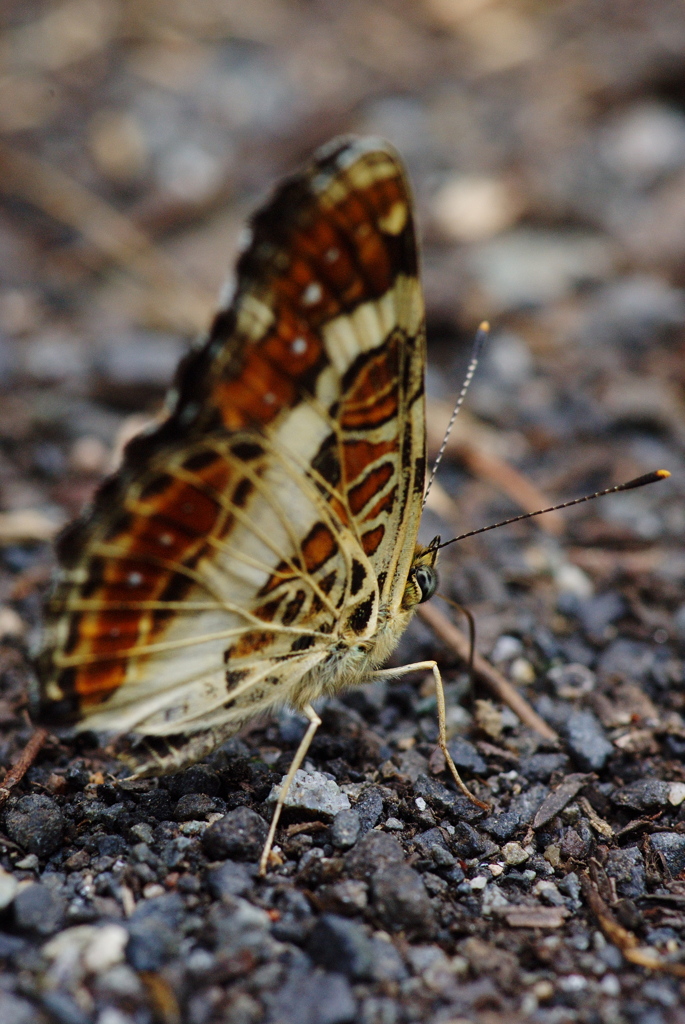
472, 209
539, 767
586, 740
642, 794
627, 867
670, 846
369, 808
401, 901
230, 879
36, 824
644, 142
374, 850
318, 997
341, 945
39, 909
571, 681
117, 145
534, 267
11, 624
346, 829
14, 1010
8, 888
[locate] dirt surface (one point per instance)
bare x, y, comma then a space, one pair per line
546, 146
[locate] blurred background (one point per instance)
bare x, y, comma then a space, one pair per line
546, 146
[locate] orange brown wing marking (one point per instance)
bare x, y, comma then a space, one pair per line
371, 485
371, 540
385, 505
318, 546
357, 455
373, 396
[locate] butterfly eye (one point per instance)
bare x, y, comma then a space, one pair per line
427, 580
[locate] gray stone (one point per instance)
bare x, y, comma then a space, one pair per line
197, 807
598, 612
40, 909
313, 791
313, 997
642, 794
465, 755
374, 850
432, 844
231, 879
670, 846
586, 740
444, 800
16, 1011
539, 767
346, 829
341, 945
627, 867
35, 822
626, 659
401, 901
369, 807
8, 888
521, 812
153, 929
239, 835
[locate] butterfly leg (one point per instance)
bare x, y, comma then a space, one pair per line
300, 754
393, 673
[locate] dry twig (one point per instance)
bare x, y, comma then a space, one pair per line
484, 671
26, 759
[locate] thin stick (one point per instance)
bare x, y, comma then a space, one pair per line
478, 342
502, 689
26, 759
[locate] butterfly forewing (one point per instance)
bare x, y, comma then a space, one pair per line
256, 542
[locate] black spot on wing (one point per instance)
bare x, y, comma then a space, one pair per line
302, 643
358, 577
359, 618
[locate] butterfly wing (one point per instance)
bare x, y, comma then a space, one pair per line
256, 536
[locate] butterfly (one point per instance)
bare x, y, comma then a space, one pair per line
259, 548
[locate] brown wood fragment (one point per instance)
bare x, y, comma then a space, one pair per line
484, 671
558, 798
24, 762
535, 917
304, 826
622, 938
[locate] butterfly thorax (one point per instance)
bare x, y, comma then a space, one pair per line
354, 660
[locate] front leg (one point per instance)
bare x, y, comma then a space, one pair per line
394, 673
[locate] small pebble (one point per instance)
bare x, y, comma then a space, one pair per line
394, 824
670, 847
40, 909
313, 791
401, 901
676, 793
478, 883
36, 824
627, 867
240, 834
522, 672
514, 854
373, 851
587, 741
8, 888
346, 829
341, 945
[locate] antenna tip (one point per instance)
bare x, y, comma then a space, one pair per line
663, 474
484, 326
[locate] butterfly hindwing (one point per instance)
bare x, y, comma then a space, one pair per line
259, 536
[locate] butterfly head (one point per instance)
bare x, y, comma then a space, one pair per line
422, 581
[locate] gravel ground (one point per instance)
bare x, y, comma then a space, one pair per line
547, 148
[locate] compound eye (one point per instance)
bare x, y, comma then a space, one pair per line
427, 580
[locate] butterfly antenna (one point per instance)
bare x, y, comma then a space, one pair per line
478, 342
640, 481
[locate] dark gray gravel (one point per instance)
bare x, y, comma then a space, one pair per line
546, 147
